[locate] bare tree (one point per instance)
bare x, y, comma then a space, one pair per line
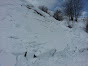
78, 5
68, 8
72, 8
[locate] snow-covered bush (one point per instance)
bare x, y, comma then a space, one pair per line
43, 8
58, 15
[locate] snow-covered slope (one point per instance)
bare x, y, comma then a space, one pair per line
30, 37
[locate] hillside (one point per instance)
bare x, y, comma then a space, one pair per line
26, 31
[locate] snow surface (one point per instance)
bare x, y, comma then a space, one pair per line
35, 32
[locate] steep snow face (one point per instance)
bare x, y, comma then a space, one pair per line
24, 28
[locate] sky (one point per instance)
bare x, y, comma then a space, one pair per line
48, 3
86, 6
54, 4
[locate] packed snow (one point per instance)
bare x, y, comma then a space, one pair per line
30, 37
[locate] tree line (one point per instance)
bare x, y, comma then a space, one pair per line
70, 8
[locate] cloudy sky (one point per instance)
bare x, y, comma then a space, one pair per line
86, 6
49, 3
53, 4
